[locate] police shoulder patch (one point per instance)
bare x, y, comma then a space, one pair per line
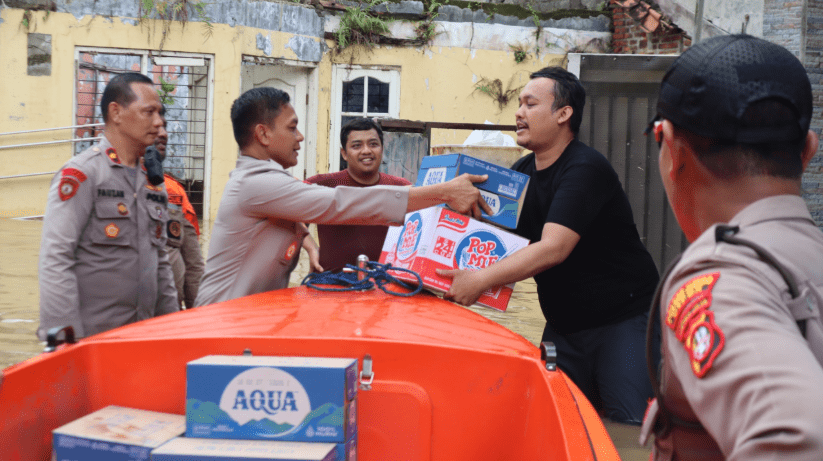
689, 317
174, 229
67, 187
70, 179
704, 342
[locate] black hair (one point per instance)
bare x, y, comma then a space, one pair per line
730, 160
567, 92
359, 124
119, 90
254, 107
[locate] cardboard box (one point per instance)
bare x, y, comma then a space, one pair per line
504, 191
115, 434
191, 449
300, 399
439, 238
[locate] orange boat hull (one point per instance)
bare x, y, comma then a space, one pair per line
448, 384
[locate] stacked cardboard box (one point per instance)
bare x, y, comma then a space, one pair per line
438, 238
295, 401
115, 434
504, 190
192, 449
238, 408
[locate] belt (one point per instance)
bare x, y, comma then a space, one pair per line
172, 206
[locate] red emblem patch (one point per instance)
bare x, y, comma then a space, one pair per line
67, 187
158, 231
689, 317
69, 182
704, 343
74, 172
112, 154
122, 209
291, 250
174, 229
112, 231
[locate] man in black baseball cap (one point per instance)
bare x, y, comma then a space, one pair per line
742, 340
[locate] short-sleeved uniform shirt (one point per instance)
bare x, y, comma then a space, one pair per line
256, 239
609, 269
342, 244
103, 262
735, 359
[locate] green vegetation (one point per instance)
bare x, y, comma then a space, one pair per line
176, 10
359, 27
425, 30
520, 53
508, 9
494, 90
27, 19
165, 91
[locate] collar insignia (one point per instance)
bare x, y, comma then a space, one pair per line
112, 154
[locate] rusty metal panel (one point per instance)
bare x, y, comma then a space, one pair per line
402, 154
618, 136
638, 159
621, 99
601, 114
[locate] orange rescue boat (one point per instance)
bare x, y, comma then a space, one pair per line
447, 384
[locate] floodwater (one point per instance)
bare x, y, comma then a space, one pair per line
19, 295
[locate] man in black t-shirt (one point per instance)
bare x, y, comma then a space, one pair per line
595, 279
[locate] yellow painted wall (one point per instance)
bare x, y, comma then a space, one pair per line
437, 84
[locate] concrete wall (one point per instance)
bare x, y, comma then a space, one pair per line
437, 81
798, 26
813, 60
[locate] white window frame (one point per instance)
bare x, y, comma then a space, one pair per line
346, 72
146, 57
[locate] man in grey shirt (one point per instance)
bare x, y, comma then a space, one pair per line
259, 230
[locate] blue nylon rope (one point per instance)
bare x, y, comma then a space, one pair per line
377, 272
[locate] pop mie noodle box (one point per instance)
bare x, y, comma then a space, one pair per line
439, 238
504, 190
191, 449
301, 399
115, 434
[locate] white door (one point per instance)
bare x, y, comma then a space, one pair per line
295, 82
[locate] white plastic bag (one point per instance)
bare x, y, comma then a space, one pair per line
488, 138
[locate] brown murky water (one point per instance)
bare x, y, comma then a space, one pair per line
19, 248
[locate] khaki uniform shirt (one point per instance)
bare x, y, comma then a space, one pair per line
103, 262
257, 235
734, 357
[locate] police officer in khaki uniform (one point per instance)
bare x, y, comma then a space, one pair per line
183, 244
742, 341
103, 262
259, 230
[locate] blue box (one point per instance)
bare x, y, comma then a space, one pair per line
115, 434
504, 191
301, 399
191, 449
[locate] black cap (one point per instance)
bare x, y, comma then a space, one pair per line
709, 87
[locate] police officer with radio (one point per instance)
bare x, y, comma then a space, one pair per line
103, 262
742, 340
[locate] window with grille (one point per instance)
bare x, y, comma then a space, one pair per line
184, 85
